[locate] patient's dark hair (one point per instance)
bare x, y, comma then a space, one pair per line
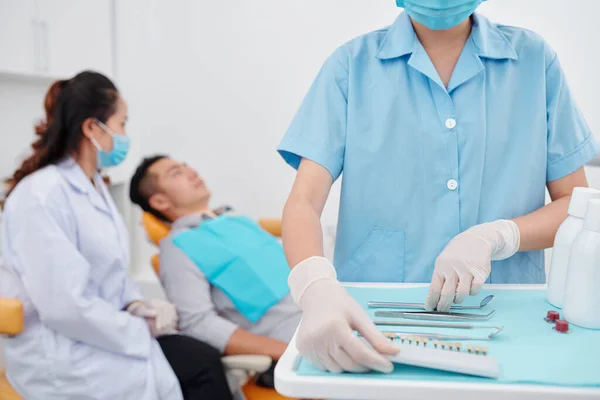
143, 186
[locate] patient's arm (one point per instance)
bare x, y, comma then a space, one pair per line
187, 287
244, 342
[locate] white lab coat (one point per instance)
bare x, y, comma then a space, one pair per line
66, 254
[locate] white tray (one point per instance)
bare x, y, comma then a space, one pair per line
289, 384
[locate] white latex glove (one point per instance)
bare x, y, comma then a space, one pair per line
161, 316
465, 264
325, 336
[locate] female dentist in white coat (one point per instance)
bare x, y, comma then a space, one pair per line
88, 333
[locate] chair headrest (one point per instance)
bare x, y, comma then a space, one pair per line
156, 229
271, 225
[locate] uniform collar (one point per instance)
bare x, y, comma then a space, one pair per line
400, 39
489, 41
73, 173
75, 176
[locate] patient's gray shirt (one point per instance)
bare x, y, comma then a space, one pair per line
205, 312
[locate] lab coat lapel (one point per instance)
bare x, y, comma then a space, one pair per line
115, 216
99, 202
73, 173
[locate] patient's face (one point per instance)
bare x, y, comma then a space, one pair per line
179, 187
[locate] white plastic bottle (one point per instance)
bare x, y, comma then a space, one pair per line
567, 232
582, 295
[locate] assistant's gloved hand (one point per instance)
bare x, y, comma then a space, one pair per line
325, 336
161, 316
465, 264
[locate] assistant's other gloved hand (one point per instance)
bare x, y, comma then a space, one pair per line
161, 316
465, 263
325, 335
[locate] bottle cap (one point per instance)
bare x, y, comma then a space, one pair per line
552, 316
580, 199
562, 326
592, 216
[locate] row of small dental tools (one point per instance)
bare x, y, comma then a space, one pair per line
431, 315
420, 306
436, 316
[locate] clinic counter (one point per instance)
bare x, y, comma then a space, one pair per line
292, 380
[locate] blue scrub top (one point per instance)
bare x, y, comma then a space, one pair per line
422, 163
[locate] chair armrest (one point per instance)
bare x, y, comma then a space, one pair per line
11, 316
255, 363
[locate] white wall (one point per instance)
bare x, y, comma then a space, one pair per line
24, 100
216, 83
572, 30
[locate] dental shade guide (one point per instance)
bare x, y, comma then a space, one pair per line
445, 356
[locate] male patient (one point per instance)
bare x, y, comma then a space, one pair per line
175, 193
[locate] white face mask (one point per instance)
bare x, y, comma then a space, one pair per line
439, 14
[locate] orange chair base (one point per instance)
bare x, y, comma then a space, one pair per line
11, 316
6, 391
254, 392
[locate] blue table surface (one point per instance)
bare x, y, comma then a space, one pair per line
528, 350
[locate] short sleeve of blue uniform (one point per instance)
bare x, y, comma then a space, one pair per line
318, 131
570, 143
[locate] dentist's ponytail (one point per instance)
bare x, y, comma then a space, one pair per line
67, 105
50, 101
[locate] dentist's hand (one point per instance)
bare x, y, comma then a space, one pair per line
325, 335
465, 264
161, 316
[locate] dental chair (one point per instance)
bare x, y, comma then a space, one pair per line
240, 369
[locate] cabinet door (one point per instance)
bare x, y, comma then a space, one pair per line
19, 52
77, 36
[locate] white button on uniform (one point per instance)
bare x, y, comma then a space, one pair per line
452, 184
450, 123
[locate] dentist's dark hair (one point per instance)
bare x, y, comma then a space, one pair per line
68, 103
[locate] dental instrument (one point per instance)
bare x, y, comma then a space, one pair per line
435, 316
391, 304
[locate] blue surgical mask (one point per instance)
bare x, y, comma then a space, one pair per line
117, 154
439, 14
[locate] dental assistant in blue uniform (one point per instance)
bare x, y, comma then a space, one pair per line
448, 129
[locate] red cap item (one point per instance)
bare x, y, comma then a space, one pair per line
552, 316
562, 326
